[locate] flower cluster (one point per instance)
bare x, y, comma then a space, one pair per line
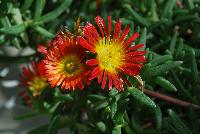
67, 61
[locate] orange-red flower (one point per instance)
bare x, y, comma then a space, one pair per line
33, 78
64, 63
115, 55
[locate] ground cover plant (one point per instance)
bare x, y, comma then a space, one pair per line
116, 66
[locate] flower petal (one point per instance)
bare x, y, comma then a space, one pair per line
110, 82
85, 44
88, 34
137, 59
133, 48
130, 40
109, 25
116, 81
117, 29
92, 62
124, 34
100, 76
94, 73
104, 80
101, 24
136, 53
42, 49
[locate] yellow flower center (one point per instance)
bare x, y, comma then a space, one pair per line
109, 54
70, 65
37, 85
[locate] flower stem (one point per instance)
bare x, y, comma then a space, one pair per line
169, 99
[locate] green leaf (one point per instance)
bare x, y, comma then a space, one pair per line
179, 50
141, 97
101, 126
103, 10
116, 130
165, 84
135, 124
181, 11
189, 4
2, 39
82, 127
17, 16
119, 118
113, 107
185, 18
65, 97
194, 120
15, 42
26, 5
197, 51
66, 121
39, 6
181, 88
159, 45
96, 97
54, 107
143, 36
113, 92
193, 65
178, 124
44, 32
157, 24
153, 10
158, 115
158, 70
167, 12
13, 29
129, 130
39, 130
160, 60
173, 42
137, 17
53, 126
5, 21
26, 116
106, 111
101, 104
54, 14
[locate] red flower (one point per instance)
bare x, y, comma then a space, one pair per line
26, 98
64, 63
115, 56
33, 78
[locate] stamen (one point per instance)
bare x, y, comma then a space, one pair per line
109, 55
70, 65
37, 85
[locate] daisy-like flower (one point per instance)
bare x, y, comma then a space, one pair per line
34, 78
115, 56
64, 63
